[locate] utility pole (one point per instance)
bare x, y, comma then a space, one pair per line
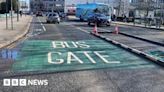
53, 6
17, 10
119, 7
6, 14
12, 15
123, 8
162, 14
25, 7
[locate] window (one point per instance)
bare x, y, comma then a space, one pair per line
50, 14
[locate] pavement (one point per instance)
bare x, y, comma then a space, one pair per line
138, 25
20, 28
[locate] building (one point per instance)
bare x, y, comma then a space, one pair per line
47, 5
147, 8
159, 8
23, 6
143, 7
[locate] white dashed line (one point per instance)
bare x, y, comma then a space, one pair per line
80, 29
44, 29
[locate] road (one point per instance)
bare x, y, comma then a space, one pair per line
85, 70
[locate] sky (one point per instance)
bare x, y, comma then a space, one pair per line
25, 0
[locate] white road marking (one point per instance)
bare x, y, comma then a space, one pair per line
88, 31
80, 29
89, 57
58, 61
38, 30
44, 29
105, 30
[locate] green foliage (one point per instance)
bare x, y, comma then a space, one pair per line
3, 6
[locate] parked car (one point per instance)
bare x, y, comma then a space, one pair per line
62, 15
53, 17
39, 13
99, 19
46, 14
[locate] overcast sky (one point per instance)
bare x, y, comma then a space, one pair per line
25, 0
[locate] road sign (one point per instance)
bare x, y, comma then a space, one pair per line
47, 55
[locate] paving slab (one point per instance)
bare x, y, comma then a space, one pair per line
20, 28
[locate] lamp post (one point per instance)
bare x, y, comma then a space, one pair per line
6, 14
17, 10
119, 7
12, 15
53, 6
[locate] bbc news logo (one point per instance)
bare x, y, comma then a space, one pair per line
24, 82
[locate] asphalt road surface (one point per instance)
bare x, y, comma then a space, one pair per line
144, 77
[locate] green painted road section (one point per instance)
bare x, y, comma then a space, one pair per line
157, 54
56, 56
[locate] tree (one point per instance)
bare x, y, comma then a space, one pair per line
3, 7
14, 2
145, 5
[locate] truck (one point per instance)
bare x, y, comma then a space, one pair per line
84, 11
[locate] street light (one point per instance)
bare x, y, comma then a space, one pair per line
17, 10
6, 14
12, 15
25, 6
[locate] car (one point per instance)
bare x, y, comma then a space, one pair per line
99, 19
46, 14
53, 18
39, 13
62, 15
